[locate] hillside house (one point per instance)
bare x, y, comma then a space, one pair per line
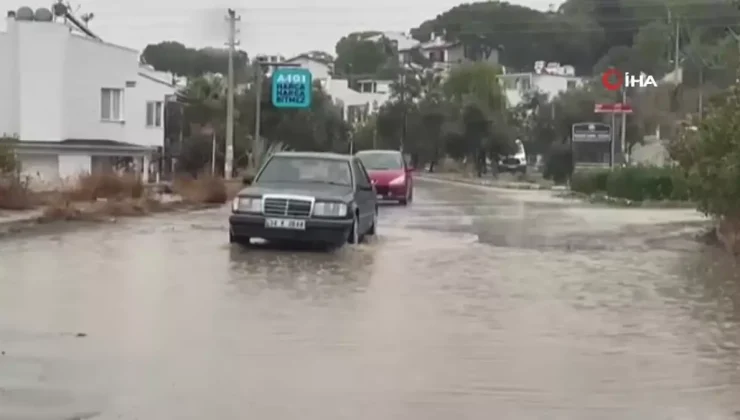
72, 103
551, 80
445, 55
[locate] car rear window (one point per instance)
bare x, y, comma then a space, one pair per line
381, 160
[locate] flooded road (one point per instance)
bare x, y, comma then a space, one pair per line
472, 304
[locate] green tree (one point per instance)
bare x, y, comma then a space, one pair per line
358, 55
180, 60
478, 81
709, 157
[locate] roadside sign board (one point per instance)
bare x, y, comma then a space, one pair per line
292, 87
591, 133
591, 143
616, 108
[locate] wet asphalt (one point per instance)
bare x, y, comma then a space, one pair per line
471, 304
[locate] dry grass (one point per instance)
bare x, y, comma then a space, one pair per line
15, 194
91, 187
64, 209
100, 197
205, 189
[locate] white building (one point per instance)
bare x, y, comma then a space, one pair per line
74, 103
320, 69
369, 101
551, 80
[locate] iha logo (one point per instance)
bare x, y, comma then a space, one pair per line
614, 80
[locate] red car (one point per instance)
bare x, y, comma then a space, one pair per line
390, 174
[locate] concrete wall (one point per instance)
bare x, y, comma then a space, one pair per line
90, 67
41, 170
150, 87
40, 53
71, 166
8, 88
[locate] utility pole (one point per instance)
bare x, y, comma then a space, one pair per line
677, 49
256, 144
232, 18
375, 137
623, 131
403, 103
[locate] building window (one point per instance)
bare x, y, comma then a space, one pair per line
111, 104
154, 114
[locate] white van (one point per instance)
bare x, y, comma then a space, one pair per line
516, 162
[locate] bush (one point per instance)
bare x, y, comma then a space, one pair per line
635, 183
710, 157
15, 194
205, 189
559, 163
9, 165
590, 181
90, 187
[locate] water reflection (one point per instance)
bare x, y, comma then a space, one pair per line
303, 272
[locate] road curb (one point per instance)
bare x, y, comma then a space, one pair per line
9, 227
491, 184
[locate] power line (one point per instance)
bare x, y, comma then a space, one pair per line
595, 28
386, 8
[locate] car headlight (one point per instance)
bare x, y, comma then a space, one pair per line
398, 180
247, 205
329, 209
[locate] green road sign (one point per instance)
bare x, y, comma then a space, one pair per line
291, 87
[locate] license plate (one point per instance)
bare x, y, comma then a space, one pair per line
294, 224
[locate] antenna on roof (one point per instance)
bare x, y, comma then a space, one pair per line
60, 9
87, 17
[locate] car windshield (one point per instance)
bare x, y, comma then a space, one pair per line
380, 161
306, 169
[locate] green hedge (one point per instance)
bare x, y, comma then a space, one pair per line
558, 163
636, 183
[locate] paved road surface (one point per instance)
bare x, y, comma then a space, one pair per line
472, 304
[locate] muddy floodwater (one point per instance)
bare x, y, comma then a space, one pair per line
472, 303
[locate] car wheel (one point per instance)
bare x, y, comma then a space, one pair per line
374, 228
354, 233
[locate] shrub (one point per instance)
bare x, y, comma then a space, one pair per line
90, 187
205, 189
15, 194
636, 183
9, 165
558, 163
590, 181
711, 158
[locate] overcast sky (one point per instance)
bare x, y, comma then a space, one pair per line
274, 27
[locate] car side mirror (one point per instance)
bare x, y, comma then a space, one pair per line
248, 179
